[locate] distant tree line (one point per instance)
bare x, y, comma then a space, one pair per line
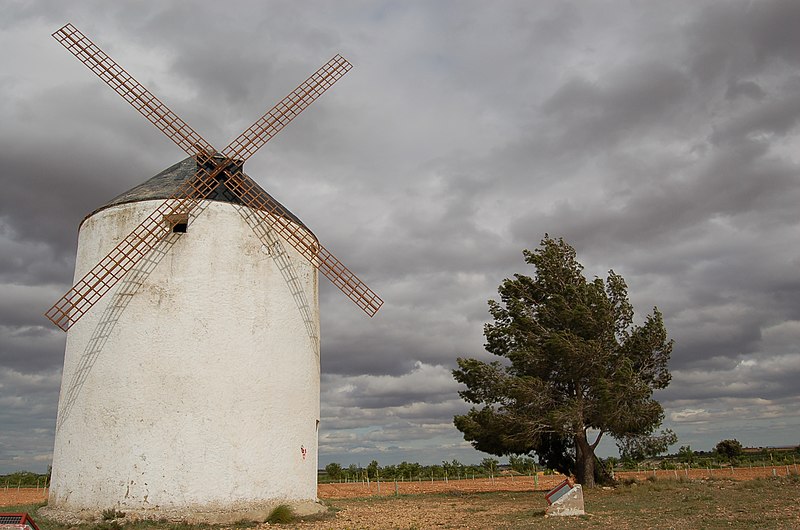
726, 452
24, 479
409, 471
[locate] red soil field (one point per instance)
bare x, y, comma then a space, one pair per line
13, 496
525, 483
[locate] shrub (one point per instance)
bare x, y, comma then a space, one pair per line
281, 514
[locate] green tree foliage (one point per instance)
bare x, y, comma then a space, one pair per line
574, 362
639, 447
521, 464
730, 449
456, 468
334, 471
408, 470
490, 465
685, 454
24, 478
372, 469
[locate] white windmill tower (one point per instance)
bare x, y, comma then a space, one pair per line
191, 372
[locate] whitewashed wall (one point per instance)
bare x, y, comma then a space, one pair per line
205, 392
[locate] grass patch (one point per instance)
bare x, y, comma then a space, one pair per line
281, 514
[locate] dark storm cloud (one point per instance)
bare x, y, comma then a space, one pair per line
773, 378
740, 37
660, 140
588, 115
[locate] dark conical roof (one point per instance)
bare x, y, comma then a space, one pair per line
165, 184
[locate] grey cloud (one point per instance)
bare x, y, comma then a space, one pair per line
741, 38
658, 139
778, 116
424, 383
749, 89
586, 114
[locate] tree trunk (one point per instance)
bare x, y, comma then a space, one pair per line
584, 461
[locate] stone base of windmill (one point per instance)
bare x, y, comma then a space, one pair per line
207, 514
566, 499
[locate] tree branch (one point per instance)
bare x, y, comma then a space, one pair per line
600, 435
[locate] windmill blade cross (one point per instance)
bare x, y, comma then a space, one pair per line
124, 256
276, 216
132, 91
268, 125
129, 251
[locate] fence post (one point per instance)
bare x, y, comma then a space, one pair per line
396, 490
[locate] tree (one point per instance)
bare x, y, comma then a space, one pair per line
490, 465
521, 464
447, 468
408, 470
388, 472
686, 454
639, 447
333, 470
730, 449
457, 467
372, 469
575, 362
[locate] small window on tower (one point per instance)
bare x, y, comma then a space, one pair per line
177, 222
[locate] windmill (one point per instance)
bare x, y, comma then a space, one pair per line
191, 372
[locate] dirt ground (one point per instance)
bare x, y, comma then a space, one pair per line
540, 483
363, 489
12, 496
507, 502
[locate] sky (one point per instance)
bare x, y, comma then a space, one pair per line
660, 139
